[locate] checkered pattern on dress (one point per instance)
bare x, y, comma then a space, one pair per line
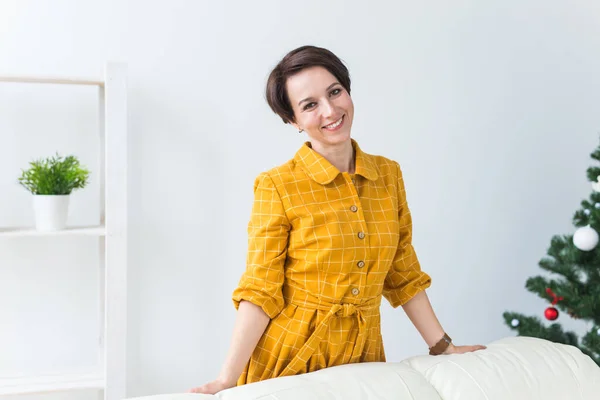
323, 248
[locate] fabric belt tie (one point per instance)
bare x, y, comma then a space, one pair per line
339, 310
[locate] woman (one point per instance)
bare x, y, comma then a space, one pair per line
329, 236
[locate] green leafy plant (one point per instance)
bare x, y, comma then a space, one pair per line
55, 175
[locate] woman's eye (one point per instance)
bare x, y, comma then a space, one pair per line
335, 92
309, 105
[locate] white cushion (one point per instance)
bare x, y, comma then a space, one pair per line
380, 381
516, 368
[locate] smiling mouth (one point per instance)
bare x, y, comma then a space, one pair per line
336, 125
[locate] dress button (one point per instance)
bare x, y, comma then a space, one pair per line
355, 291
361, 235
360, 264
354, 209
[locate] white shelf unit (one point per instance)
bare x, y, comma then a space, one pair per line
52, 383
109, 376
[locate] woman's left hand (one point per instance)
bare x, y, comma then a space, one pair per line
452, 349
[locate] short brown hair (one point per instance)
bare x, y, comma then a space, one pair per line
294, 62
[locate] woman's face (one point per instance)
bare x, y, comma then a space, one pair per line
322, 107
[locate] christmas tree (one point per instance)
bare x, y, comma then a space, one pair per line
575, 262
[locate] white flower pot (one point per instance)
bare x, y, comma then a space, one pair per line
50, 212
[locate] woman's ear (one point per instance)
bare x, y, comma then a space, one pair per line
295, 125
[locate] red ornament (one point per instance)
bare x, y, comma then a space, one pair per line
551, 313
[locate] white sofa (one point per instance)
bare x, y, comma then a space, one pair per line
516, 368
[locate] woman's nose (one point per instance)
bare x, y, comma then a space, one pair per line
327, 108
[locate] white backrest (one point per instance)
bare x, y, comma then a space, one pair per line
515, 368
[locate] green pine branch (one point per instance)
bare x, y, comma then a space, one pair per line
593, 172
580, 300
590, 344
533, 327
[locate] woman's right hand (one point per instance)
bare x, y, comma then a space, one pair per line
250, 324
213, 387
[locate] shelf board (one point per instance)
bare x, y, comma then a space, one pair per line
99, 230
51, 80
50, 383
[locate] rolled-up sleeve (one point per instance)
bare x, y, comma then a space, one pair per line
268, 233
405, 278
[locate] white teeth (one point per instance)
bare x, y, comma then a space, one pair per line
335, 124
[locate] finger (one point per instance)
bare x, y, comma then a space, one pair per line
464, 349
475, 348
196, 390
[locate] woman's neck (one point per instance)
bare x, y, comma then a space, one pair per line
340, 156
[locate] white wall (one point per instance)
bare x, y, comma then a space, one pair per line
490, 107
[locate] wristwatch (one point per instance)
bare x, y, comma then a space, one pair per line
440, 346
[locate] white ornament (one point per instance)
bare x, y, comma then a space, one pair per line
586, 211
514, 322
596, 185
598, 332
597, 205
585, 238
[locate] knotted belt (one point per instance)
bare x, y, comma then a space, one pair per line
339, 310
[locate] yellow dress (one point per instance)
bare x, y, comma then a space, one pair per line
323, 248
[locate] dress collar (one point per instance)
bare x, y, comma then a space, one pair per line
322, 171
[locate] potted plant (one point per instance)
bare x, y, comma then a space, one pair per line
51, 181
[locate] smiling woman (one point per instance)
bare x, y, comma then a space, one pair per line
330, 234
